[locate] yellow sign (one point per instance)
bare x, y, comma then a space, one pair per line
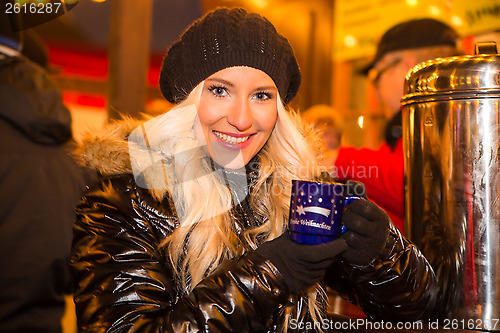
478, 16
358, 24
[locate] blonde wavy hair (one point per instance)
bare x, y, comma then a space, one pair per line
206, 234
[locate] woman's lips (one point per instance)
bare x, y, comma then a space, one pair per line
233, 141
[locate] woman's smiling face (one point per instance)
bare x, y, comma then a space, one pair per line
237, 113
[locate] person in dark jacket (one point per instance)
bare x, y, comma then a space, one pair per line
187, 229
40, 185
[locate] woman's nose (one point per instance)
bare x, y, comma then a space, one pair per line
240, 115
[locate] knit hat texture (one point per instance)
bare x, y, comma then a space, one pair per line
226, 38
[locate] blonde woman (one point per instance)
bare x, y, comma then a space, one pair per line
186, 231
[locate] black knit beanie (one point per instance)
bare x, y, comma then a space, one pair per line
226, 38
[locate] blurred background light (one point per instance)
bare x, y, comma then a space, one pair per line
457, 21
361, 121
434, 10
350, 41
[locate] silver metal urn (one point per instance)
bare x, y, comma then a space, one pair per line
451, 137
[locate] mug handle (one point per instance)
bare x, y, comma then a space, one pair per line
347, 200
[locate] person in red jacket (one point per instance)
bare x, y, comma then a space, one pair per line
400, 49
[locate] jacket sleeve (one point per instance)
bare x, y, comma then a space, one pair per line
123, 282
400, 285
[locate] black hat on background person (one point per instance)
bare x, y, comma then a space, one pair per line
413, 34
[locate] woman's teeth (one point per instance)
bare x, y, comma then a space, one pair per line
231, 139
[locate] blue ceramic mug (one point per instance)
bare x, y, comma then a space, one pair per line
316, 211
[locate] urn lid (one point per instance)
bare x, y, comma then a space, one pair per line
469, 76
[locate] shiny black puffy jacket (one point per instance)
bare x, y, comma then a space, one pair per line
123, 280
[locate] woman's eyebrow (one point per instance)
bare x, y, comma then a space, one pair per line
266, 88
219, 80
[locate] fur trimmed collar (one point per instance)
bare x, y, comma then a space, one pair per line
107, 151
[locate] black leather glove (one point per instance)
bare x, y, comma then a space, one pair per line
301, 265
368, 229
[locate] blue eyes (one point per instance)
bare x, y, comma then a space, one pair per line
263, 96
221, 91
218, 91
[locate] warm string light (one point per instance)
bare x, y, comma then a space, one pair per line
350, 41
434, 10
456, 21
361, 121
261, 4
